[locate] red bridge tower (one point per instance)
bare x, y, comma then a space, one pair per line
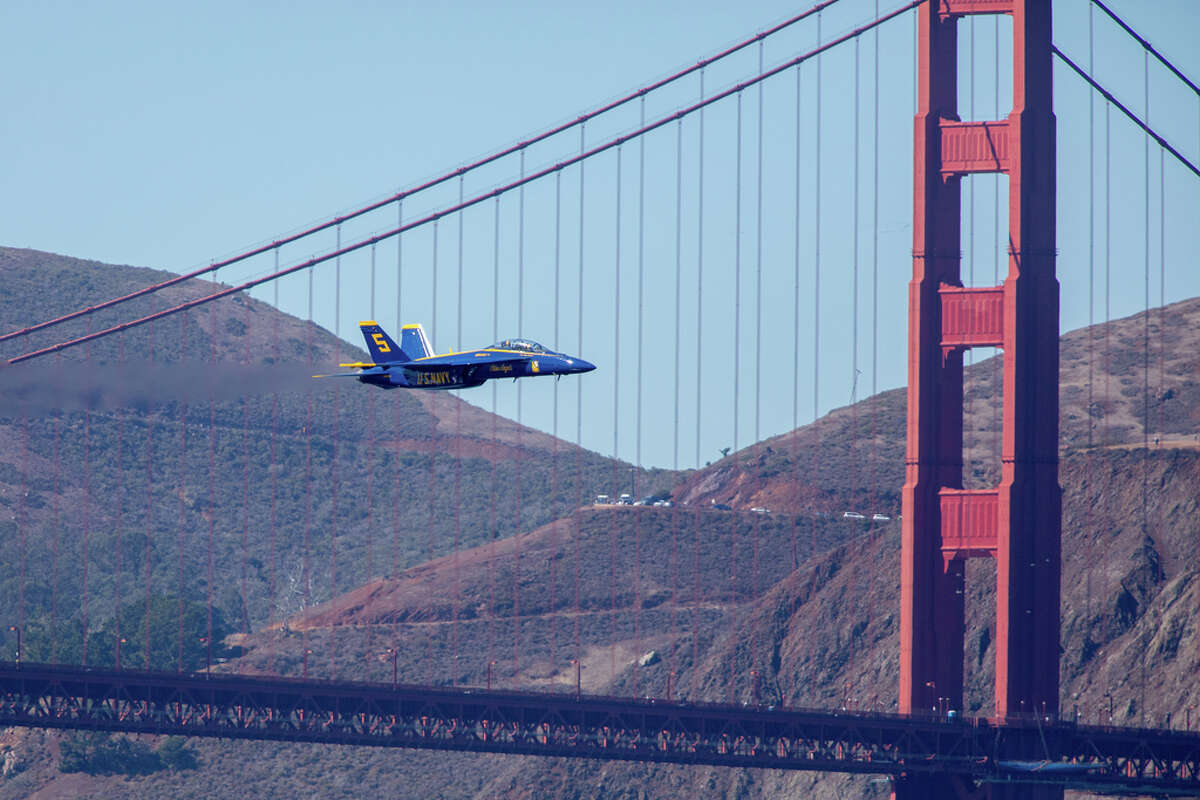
1019, 522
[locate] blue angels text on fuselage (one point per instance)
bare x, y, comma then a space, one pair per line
412, 364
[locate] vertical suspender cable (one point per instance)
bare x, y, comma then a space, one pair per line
1145, 355
247, 311
637, 518
118, 521
617, 483
22, 522
212, 457
698, 594
674, 565
816, 441
519, 459
457, 599
854, 294
579, 411
87, 510
399, 267
1090, 512
737, 270
58, 532
271, 596
1162, 307
699, 274
149, 523
399, 420
737, 371
433, 300
796, 478
245, 482
337, 285
334, 517
556, 503
370, 475
492, 520
854, 256
306, 576
458, 345
1107, 268
758, 263
873, 479
180, 538
335, 472
433, 436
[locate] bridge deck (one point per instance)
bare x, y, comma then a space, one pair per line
1116, 760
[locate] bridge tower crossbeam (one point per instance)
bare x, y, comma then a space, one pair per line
1018, 523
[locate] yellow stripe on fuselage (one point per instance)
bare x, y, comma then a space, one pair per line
482, 352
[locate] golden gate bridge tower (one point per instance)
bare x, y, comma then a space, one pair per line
1018, 523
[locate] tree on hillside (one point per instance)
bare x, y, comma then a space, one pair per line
177, 634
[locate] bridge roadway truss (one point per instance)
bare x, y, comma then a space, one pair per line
1025, 751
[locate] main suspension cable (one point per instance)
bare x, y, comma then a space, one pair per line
1132, 116
432, 217
1147, 47
400, 196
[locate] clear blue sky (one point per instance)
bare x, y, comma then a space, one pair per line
167, 135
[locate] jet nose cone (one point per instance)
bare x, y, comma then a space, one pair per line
579, 365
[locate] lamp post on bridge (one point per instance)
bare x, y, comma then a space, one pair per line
394, 654
17, 630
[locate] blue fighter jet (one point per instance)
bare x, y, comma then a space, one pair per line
412, 364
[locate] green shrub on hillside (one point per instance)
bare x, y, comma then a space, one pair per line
177, 637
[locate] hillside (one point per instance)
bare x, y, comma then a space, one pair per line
798, 594
858, 451
827, 635
132, 441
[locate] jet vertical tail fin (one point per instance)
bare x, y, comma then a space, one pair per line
381, 347
414, 343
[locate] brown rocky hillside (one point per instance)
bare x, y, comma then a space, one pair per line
798, 594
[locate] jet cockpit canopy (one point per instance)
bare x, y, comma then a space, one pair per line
523, 345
